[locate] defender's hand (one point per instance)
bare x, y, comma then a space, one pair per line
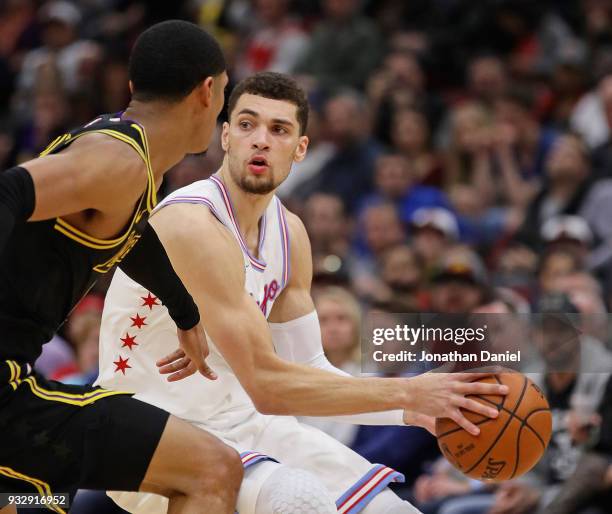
442, 395
189, 358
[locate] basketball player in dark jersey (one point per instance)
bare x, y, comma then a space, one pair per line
68, 217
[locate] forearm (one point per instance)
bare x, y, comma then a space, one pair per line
291, 389
388, 417
299, 341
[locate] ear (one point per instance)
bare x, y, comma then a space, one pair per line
225, 136
131, 86
300, 151
205, 91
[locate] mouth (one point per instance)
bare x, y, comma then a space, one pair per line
258, 164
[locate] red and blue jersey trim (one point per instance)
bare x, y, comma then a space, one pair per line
285, 243
251, 458
257, 264
372, 483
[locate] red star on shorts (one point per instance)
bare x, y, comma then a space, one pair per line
138, 322
150, 301
122, 365
128, 341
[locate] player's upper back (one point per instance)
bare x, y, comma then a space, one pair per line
48, 265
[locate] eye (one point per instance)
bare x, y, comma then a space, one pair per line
244, 124
278, 129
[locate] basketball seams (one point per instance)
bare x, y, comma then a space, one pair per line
501, 432
524, 422
518, 448
535, 411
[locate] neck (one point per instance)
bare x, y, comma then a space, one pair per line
563, 190
165, 133
248, 207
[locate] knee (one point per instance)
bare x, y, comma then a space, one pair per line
292, 491
226, 471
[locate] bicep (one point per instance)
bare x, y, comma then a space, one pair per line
93, 173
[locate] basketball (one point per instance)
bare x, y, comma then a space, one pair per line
507, 446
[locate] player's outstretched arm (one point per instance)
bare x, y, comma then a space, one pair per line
210, 264
296, 332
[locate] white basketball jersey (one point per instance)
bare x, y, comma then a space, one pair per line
137, 330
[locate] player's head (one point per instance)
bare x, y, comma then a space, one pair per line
268, 115
177, 62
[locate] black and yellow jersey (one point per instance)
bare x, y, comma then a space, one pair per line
47, 266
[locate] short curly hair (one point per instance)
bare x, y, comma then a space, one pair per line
275, 86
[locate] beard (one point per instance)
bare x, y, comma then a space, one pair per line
253, 184
261, 185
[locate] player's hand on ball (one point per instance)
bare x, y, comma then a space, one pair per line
443, 395
189, 358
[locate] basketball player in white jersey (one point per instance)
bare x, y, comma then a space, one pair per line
245, 259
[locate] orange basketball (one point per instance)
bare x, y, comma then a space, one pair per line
508, 445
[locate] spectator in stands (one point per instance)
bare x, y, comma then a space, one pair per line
396, 180
570, 191
403, 273
276, 41
487, 79
348, 172
521, 146
460, 284
329, 231
433, 232
379, 230
345, 48
411, 137
61, 48
401, 84
589, 488
602, 153
554, 265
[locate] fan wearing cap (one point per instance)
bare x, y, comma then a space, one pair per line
571, 233
460, 284
433, 231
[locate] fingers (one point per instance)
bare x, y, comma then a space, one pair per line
480, 388
175, 355
177, 365
476, 406
463, 422
207, 371
187, 371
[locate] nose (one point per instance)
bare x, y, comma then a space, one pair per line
261, 139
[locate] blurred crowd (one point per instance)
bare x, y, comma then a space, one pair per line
460, 160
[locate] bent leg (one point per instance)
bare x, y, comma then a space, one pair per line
194, 469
